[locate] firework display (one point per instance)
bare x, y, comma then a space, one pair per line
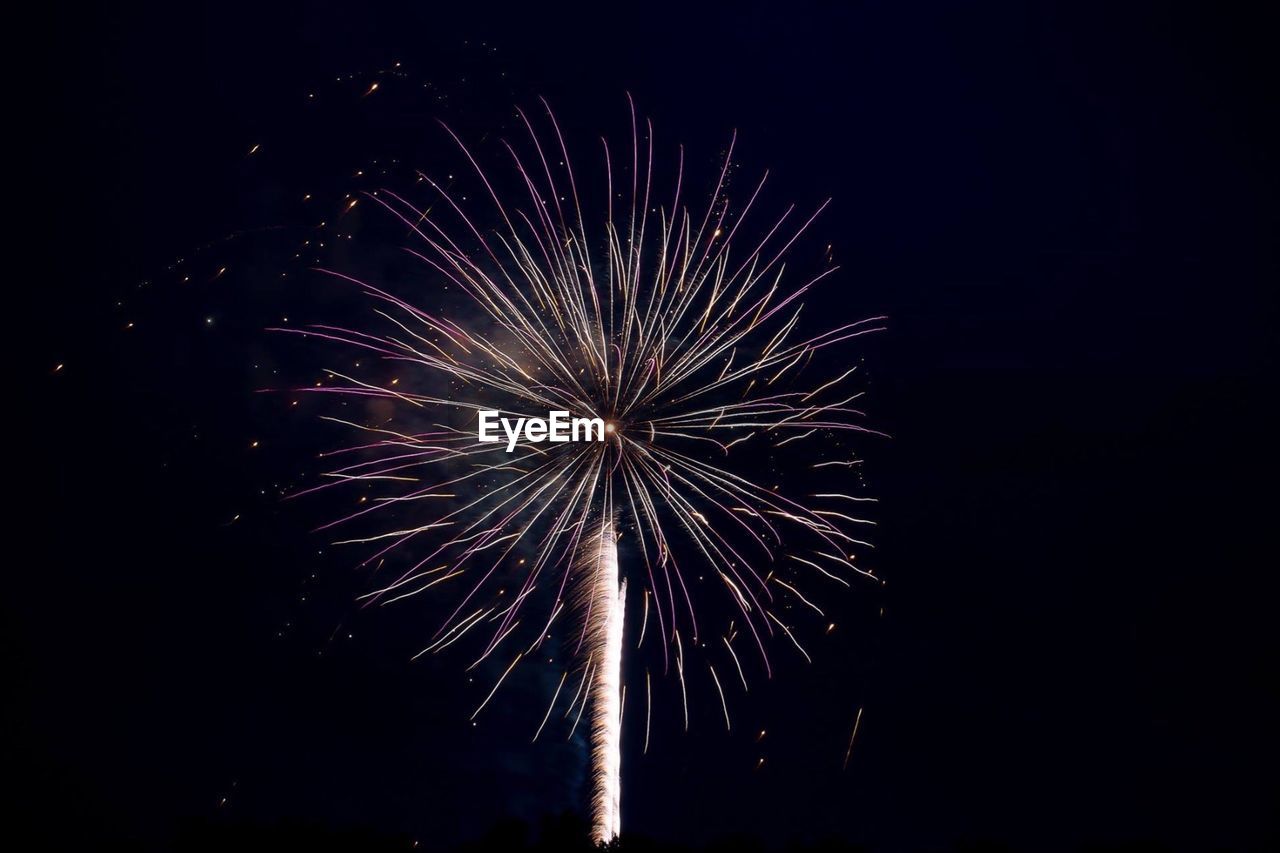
623, 352
410, 463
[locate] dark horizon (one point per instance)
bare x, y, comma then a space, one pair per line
1068, 215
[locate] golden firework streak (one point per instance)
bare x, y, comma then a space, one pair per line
604, 635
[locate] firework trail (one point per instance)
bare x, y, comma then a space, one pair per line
677, 328
606, 605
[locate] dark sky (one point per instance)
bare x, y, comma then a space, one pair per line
1069, 215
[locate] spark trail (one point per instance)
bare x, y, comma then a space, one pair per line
604, 609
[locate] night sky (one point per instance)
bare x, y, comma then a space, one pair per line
1068, 214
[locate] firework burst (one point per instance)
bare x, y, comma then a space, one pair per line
678, 331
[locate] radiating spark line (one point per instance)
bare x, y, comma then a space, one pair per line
425, 587
644, 621
798, 595
460, 627
550, 707
724, 705
857, 721
845, 497
835, 578
684, 693
578, 694
496, 686
791, 637
581, 709
648, 710
736, 663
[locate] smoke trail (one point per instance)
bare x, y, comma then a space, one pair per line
605, 606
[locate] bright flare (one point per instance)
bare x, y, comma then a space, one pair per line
598, 562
